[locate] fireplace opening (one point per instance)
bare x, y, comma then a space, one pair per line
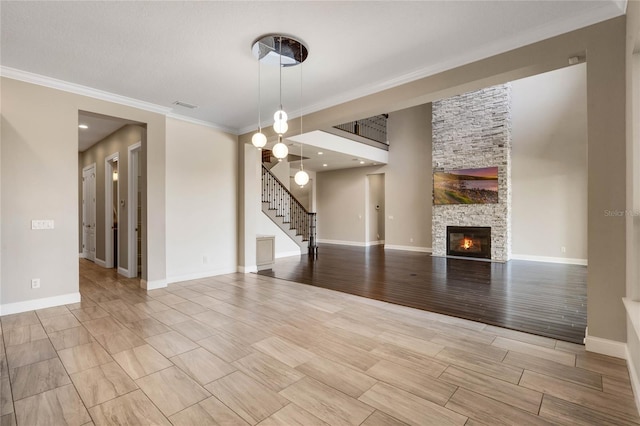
469, 241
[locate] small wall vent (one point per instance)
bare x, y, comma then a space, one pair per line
185, 105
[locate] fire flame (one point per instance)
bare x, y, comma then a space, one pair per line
467, 243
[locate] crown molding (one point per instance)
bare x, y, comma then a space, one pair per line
209, 124
65, 86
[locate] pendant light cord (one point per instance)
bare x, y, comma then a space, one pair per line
301, 144
280, 57
259, 93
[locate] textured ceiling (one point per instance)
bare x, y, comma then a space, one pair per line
199, 52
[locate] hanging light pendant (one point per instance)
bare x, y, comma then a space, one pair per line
259, 139
301, 177
285, 52
280, 150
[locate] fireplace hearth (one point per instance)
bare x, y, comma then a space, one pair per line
469, 241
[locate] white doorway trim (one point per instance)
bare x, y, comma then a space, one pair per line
132, 218
109, 188
89, 212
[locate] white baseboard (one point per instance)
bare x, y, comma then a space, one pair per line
565, 260
247, 269
351, 243
287, 254
153, 285
408, 248
123, 272
633, 362
45, 302
343, 243
198, 275
605, 346
634, 370
81, 255
633, 312
101, 262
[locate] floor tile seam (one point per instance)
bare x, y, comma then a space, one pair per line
494, 378
540, 371
65, 370
498, 401
504, 402
13, 403
610, 412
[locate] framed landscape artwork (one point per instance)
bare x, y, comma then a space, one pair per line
466, 186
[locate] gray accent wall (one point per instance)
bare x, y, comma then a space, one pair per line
473, 130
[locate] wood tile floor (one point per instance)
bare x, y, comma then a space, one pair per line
248, 349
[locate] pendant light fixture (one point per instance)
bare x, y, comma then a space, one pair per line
301, 177
285, 52
259, 139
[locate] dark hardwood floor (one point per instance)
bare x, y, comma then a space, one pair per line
541, 298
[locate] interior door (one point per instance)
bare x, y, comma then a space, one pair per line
89, 212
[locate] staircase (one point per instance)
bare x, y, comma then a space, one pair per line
286, 212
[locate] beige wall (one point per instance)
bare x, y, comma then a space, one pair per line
408, 179
633, 187
201, 201
39, 152
341, 204
549, 164
375, 216
117, 142
341, 199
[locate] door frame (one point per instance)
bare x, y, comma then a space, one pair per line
109, 187
84, 211
133, 158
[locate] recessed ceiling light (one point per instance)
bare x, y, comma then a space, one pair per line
361, 162
83, 126
320, 152
324, 165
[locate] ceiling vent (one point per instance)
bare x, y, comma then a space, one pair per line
185, 105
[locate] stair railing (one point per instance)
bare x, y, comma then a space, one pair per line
289, 208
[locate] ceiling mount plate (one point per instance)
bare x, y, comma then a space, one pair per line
279, 49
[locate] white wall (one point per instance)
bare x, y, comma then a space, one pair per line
201, 201
284, 245
549, 165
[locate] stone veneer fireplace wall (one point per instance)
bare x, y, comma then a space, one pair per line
473, 130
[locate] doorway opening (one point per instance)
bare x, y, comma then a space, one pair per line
89, 212
375, 226
112, 210
111, 157
135, 211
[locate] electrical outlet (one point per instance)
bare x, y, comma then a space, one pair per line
35, 283
205, 259
410, 240
563, 249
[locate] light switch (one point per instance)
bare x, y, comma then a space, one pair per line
39, 224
